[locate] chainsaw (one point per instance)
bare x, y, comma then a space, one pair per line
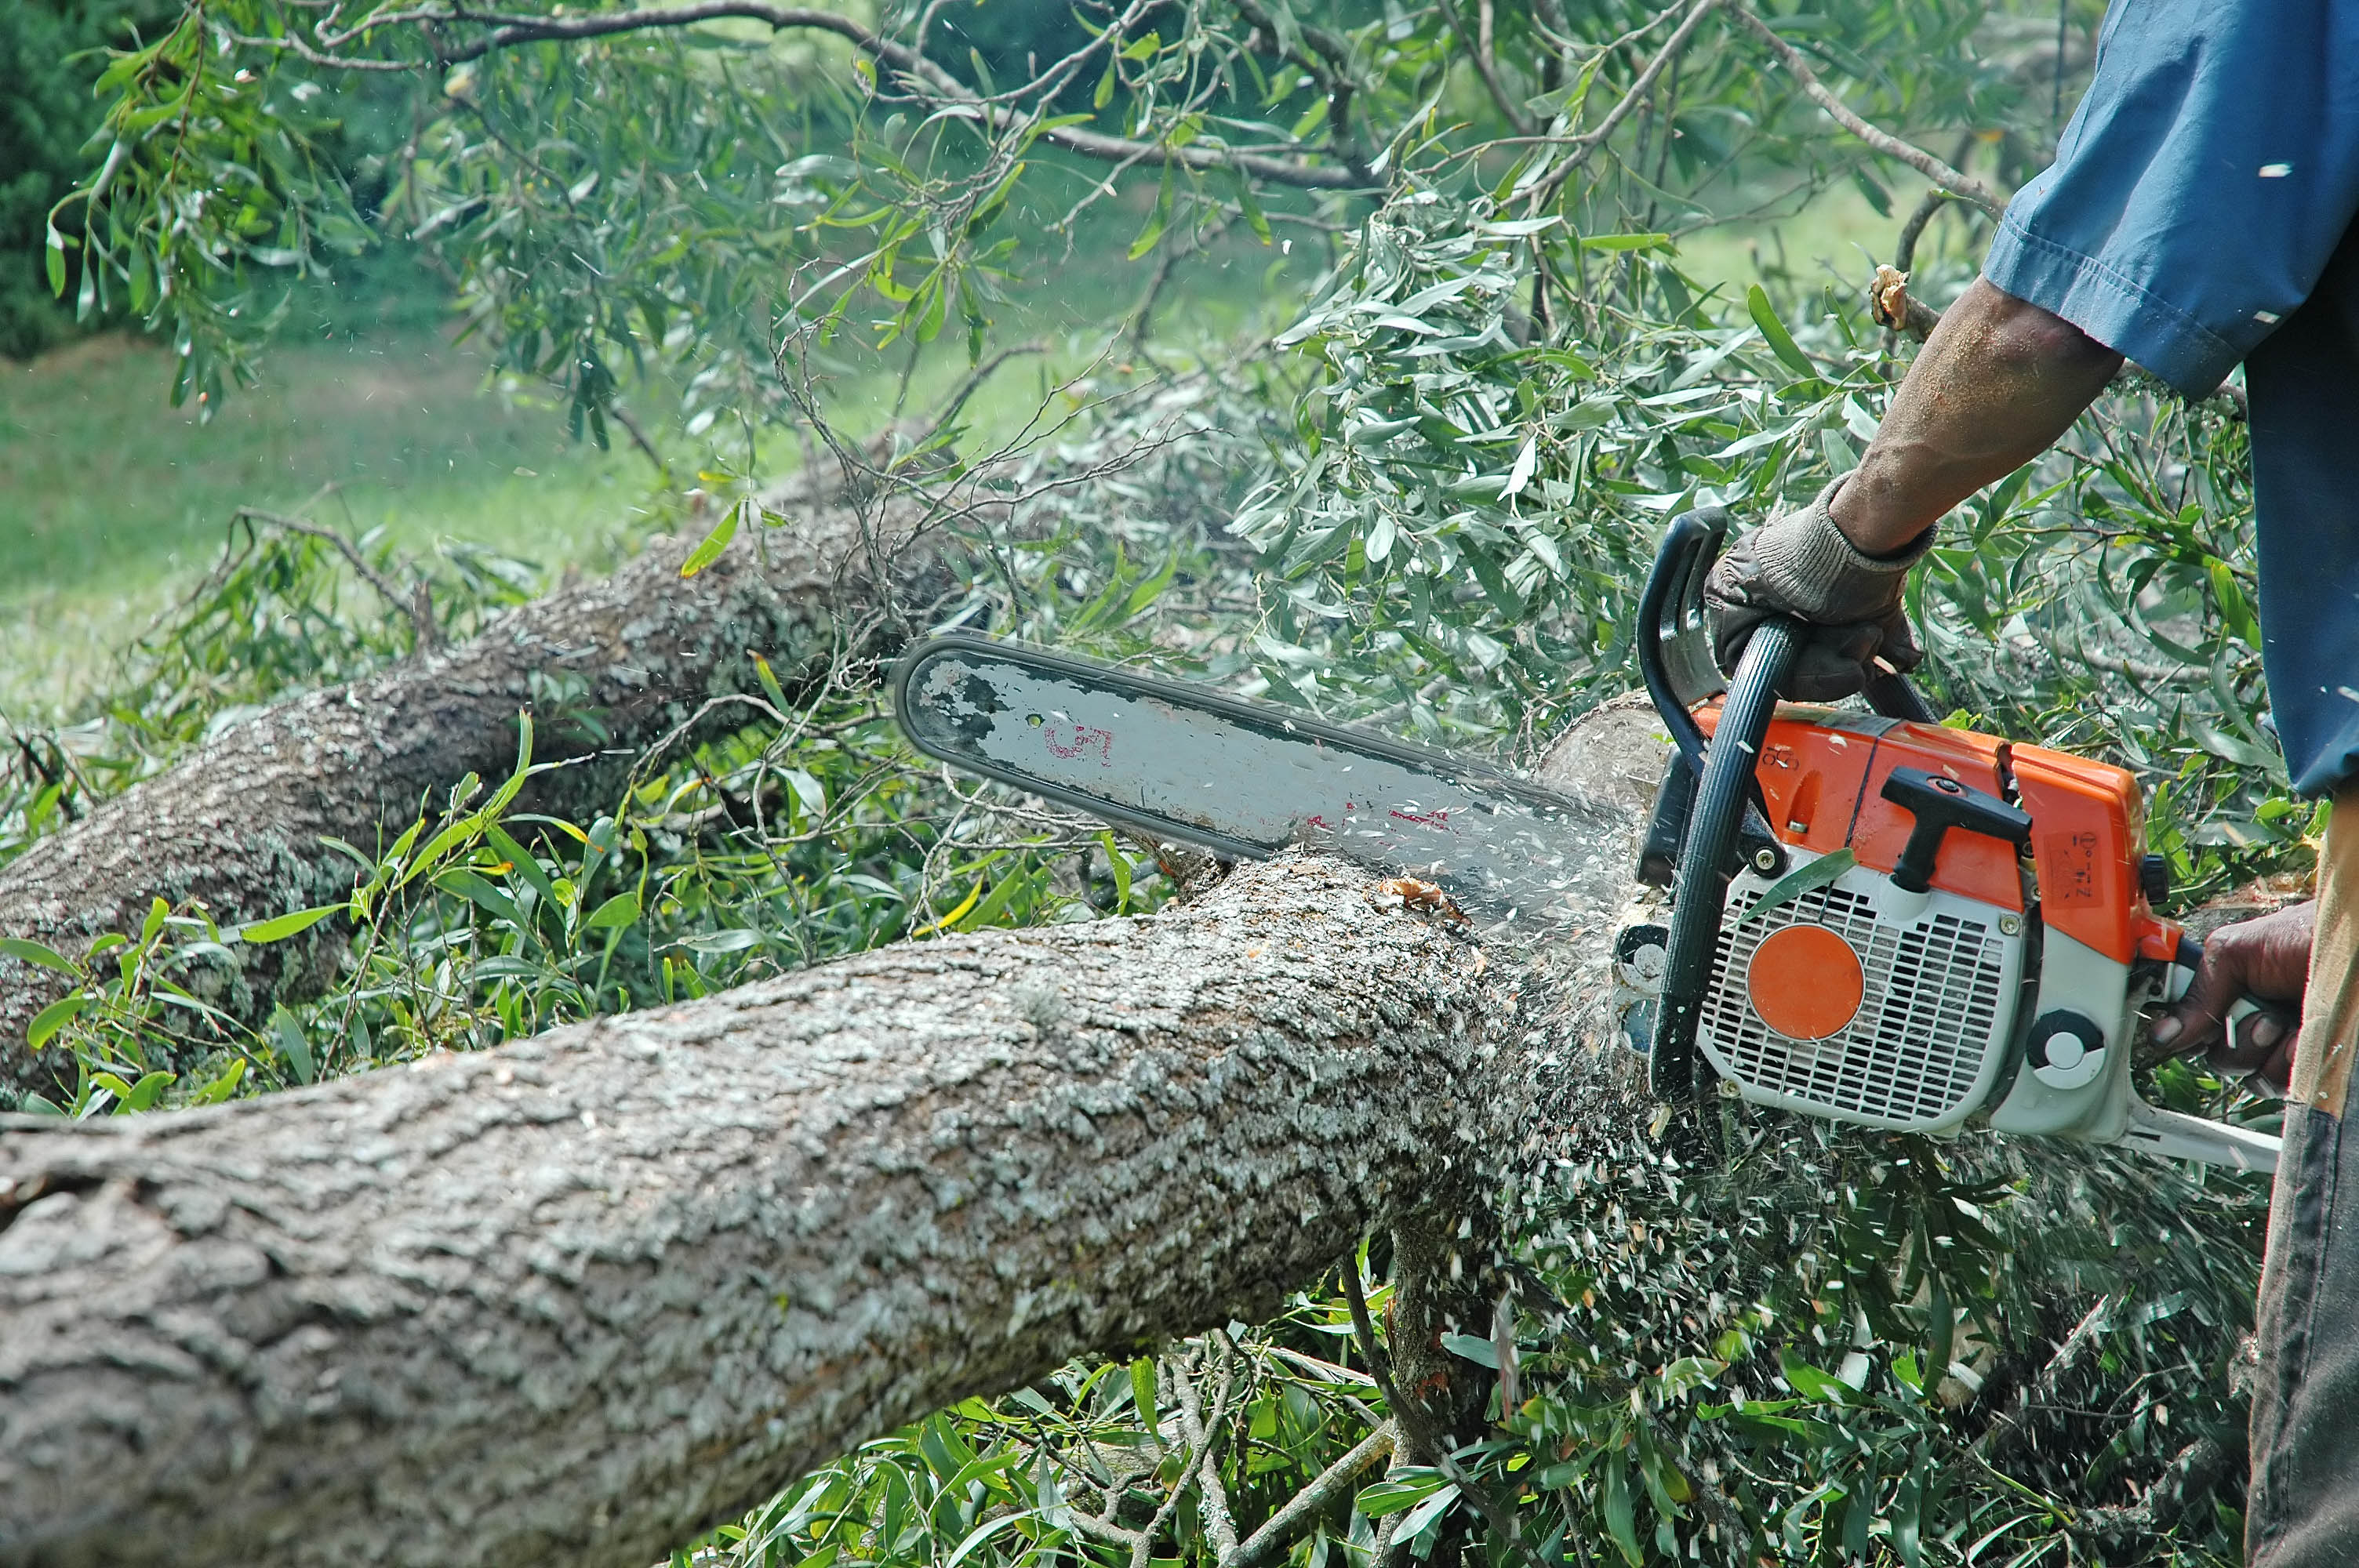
1875, 918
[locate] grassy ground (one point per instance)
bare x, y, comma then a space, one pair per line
114, 499
111, 501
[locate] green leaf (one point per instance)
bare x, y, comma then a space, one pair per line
297, 1049
1404, 1488
770, 686
1494, 584
1118, 864
620, 910
521, 861
1142, 1393
55, 245
1157, 221
994, 902
705, 554
1256, 218
982, 1533
1104, 94
479, 892
1781, 342
280, 927
1473, 1348
143, 1093
220, 1088
1620, 1521
34, 953
52, 1018
1808, 877
1624, 242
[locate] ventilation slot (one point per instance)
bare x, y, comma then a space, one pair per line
1924, 1028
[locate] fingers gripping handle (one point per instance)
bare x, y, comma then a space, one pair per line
2178, 979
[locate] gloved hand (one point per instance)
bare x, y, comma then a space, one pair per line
1799, 564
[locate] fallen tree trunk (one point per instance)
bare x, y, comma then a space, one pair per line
575, 1299
239, 824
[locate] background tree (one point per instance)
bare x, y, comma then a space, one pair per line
1422, 501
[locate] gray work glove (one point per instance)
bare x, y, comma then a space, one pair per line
1799, 564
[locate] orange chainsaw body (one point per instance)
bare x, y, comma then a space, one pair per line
1820, 772
1911, 1011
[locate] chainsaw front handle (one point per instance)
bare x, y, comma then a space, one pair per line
1723, 793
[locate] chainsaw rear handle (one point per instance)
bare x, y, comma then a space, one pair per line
2180, 975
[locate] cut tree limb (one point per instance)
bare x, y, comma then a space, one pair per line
577, 1298
239, 824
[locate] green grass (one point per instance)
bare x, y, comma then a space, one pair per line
111, 501
114, 499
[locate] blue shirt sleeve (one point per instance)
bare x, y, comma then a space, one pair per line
2202, 183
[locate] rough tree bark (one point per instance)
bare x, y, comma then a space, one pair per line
239, 824
576, 1298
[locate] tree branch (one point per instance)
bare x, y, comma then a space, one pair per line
1589, 141
1963, 186
1416, 1425
415, 606
927, 80
1281, 1529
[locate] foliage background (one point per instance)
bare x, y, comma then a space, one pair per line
1382, 425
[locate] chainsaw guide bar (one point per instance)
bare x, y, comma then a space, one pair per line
1249, 779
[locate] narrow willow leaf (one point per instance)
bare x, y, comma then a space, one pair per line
705, 554
620, 910
1781, 342
52, 1018
1142, 1392
285, 925
1806, 878
34, 953
291, 1043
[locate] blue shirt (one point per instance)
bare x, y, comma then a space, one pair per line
2193, 219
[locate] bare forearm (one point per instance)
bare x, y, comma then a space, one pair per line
1997, 383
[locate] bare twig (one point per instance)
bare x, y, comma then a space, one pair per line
1416, 1425
639, 439
1961, 185
921, 78
414, 606
1279, 1531
1589, 141
1486, 65
1903, 250
973, 384
1218, 1523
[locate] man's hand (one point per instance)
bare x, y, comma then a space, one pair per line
1800, 566
2267, 959
1998, 380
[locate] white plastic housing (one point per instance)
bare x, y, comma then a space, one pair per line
1929, 1043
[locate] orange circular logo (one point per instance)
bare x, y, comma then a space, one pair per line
1805, 983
